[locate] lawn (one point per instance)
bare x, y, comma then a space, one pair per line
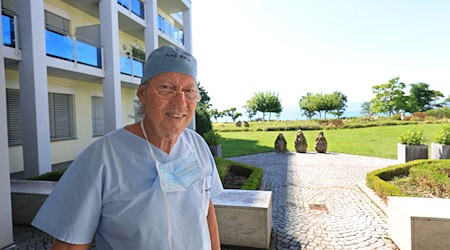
379, 141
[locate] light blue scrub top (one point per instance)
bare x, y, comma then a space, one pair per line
112, 190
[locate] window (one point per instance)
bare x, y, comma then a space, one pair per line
98, 118
61, 116
57, 22
60, 110
13, 117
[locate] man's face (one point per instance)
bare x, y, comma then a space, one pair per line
168, 115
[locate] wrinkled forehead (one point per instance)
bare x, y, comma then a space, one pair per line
173, 78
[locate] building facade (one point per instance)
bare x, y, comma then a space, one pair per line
70, 72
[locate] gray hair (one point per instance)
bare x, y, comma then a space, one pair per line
139, 109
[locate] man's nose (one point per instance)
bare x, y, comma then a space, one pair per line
179, 99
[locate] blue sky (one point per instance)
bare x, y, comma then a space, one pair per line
293, 47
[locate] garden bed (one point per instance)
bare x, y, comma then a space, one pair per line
420, 178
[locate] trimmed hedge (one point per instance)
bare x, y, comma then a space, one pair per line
50, 176
253, 181
378, 179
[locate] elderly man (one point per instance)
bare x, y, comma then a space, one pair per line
147, 185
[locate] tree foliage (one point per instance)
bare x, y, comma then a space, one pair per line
216, 114
389, 97
422, 98
265, 102
365, 108
204, 98
232, 113
312, 104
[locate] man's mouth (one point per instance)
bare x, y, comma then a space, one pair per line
176, 115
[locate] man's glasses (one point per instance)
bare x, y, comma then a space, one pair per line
190, 95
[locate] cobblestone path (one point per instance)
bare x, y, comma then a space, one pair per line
317, 203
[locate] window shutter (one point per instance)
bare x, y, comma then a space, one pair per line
14, 120
9, 5
60, 107
98, 118
57, 22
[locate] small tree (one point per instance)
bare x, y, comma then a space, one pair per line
308, 105
216, 114
365, 108
265, 102
250, 112
232, 113
389, 97
421, 98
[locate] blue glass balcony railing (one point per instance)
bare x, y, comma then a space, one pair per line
167, 28
136, 6
8, 31
131, 66
69, 48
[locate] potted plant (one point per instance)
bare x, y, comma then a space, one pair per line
213, 139
440, 148
411, 146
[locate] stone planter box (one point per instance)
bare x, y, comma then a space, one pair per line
419, 223
216, 150
440, 151
244, 218
407, 153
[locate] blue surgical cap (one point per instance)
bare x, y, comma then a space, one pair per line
169, 59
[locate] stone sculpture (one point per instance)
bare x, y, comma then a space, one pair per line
280, 144
300, 142
321, 143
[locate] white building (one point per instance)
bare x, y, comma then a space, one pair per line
69, 74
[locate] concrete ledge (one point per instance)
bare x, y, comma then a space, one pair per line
27, 198
419, 223
244, 218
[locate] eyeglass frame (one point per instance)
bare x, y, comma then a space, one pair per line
175, 93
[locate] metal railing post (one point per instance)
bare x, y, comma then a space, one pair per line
75, 56
16, 35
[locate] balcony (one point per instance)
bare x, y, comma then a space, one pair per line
172, 32
131, 66
135, 6
9, 36
71, 48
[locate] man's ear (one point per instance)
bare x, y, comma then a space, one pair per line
141, 93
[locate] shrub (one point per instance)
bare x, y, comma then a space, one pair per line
419, 116
412, 137
212, 138
336, 123
443, 136
440, 112
202, 121
50, 176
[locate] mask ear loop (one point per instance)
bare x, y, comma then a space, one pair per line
166, 202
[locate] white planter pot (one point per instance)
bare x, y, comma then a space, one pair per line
440, 151
407, 153
216, 150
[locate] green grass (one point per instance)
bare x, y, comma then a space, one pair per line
379, 141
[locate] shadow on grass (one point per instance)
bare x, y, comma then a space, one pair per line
239, 147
